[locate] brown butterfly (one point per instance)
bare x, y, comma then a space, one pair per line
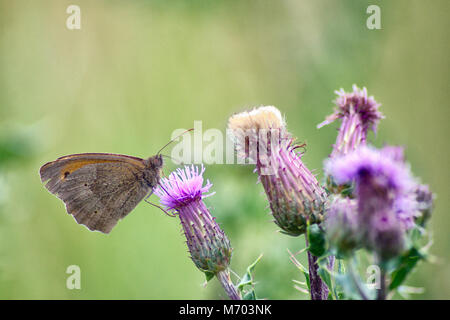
99, 189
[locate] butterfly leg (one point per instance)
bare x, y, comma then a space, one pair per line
155, 205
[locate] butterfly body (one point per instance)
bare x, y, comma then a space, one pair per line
99, 189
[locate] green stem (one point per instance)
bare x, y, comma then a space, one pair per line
355, 281
227, 284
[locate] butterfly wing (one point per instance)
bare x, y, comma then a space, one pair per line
98, 189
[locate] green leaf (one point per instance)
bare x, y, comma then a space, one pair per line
247, 280
317, 240
251, 267
406, 264
209, 276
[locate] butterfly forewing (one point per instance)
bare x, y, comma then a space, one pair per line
98, 189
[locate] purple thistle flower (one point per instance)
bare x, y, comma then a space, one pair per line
210, 249
383, 186
416, 205
406, 210
366, 161
182, 188
359, 113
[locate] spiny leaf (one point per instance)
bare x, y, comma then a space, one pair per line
247, 280
301, 268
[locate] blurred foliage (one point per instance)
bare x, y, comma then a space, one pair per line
137, 70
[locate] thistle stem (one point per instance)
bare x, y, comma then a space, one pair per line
319, 290
227, 284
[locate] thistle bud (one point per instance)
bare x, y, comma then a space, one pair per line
341, 225
294, 193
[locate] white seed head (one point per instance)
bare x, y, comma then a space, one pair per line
265, 117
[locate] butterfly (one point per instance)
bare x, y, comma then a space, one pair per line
99, 189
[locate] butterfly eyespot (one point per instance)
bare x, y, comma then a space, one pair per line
85, 184
95, 211
66, 174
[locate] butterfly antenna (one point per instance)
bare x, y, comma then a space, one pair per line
174, 139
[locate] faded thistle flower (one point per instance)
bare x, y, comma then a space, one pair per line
294, 194
183, 192
383, 186
358, 113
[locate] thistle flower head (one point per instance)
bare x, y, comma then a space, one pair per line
257, 133
383, 170
359, 113
383, 190
294, 193
183, 187
208, 245
356, 102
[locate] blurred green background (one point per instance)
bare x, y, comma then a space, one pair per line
137, 70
